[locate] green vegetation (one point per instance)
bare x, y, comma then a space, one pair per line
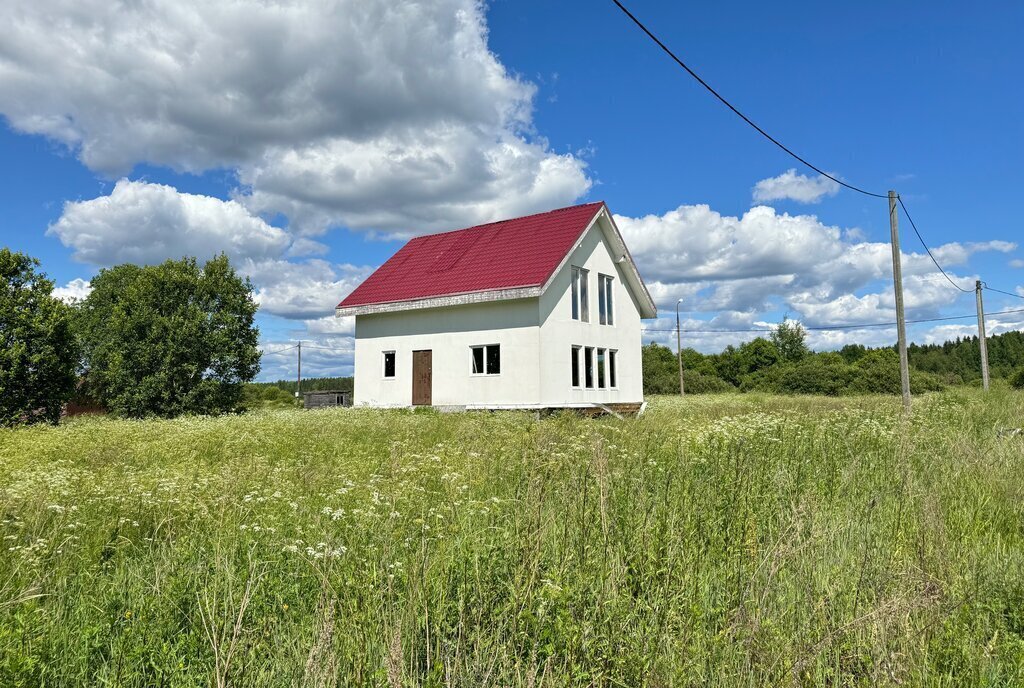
732, 541
168, 339
783, 364
340, 384
38, 352
281, 394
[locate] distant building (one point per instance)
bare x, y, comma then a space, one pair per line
322, 398
537, 312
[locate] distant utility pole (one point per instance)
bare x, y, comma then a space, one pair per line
679, 350
981, 335
298, 381
897, 280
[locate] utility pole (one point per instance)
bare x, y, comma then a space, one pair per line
981, 335
679, 350
897, 280
298, 381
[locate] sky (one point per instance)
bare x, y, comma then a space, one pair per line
308, 139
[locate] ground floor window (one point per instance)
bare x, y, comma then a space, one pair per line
389, 364
599, 367
486, 359
588, 366
575, 363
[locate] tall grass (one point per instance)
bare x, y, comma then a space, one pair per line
714, 541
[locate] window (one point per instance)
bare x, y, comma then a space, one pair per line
575, 351
601, 353
389, 364
580, 300
486, 359
588, 366
604, 299
612, 354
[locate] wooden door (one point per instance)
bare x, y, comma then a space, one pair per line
422, 377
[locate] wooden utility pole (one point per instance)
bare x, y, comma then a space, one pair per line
981, 335
679, 350
897, 281
298, 380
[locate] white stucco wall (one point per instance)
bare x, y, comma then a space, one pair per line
449, 333
536, 337
559, 332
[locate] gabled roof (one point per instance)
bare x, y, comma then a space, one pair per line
507, 259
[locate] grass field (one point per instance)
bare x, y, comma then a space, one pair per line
732, 540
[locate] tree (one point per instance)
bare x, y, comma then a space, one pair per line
169, 339
789, 338
38, 352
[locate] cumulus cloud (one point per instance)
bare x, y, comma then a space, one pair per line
794, 187
1017, 263
770, 261
141, 222
75, 290
328, 110
302, 291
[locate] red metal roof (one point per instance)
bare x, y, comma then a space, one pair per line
523, 252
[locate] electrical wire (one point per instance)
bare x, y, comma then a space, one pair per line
825, 328
1000, 291
928, 250
279, 351
729, 105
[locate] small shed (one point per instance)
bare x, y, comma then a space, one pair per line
328, 397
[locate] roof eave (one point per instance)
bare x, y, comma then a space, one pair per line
444, 301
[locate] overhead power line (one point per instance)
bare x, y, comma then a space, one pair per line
1000, 291
279, 351
928, 250
732, 107
823, 328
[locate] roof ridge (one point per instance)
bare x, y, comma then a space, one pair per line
507, 219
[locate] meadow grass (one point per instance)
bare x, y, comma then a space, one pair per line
730, 541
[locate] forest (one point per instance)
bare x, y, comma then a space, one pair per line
783, 364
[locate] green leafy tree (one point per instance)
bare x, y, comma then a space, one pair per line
169, 339
789, 338
38, 352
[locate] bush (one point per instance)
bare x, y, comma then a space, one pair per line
38, 352
700, 383
255, 396
1017, 381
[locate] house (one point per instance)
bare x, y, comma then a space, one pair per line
536, 312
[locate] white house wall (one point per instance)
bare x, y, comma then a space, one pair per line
449, 333
559, 332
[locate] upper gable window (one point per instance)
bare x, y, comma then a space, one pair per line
580, 296
604, 299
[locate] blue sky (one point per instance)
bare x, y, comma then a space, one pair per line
308, 142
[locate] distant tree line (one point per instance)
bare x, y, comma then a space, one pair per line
783, 364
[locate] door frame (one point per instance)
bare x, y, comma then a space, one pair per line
418, 360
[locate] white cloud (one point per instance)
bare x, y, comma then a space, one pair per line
303, 291
148, 223
795, 187
765, 261
1017, 263
429, 180
75, 290
329, 111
